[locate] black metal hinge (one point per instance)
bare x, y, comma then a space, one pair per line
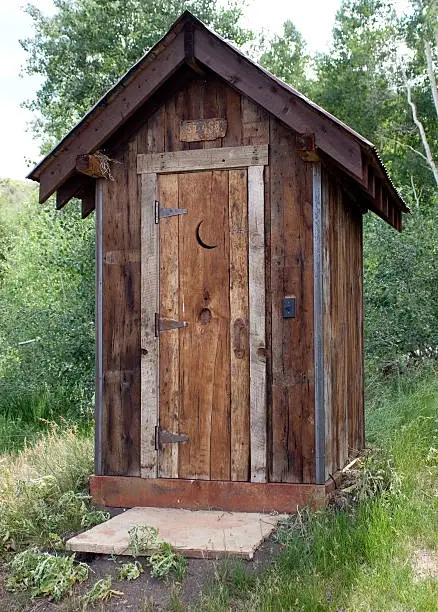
162, 212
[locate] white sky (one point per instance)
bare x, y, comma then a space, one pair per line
314, 19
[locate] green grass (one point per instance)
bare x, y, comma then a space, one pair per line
360, 558
355, 558
44, 491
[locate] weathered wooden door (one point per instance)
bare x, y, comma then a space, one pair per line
203, 374
204, 282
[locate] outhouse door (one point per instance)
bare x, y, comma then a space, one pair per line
203, 344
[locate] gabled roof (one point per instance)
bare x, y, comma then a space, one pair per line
190, 42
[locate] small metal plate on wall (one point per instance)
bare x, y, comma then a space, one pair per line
289, 307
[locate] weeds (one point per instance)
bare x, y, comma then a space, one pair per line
45, 574
42, 492
163, 560
100, 591
130, 571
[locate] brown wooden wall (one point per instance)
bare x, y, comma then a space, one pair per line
289, 271
343, 327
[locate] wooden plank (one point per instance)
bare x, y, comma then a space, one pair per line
195, 107
207, 494
91, 165
239, 329
149, 343
100, 125
255, 123
204, 344
120, 327
327, 324
88, 202
233, 113
318, 325
208, 159
292, 419
98, 404
257, 338
72, 188
202, 129
169, 342
214, 103
292, 109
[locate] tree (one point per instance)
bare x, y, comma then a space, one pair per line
84, 48
286, 57
354, 76
418, 73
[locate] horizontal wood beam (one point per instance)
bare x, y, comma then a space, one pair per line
91, 165
93, 132
306, 147
203, 159
127, 492
88, 201
291, 108
74, 187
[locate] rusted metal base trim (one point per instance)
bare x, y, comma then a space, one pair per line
127, 492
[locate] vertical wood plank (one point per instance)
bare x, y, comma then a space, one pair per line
327, 320
169, 342
318, 324
98, 464
121, 318
239, 330
233, 114
204, 345
293, 404
149, 342
255, 123
257, 338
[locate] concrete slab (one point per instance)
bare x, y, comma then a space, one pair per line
194, 533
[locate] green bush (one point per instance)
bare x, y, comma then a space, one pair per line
46, 311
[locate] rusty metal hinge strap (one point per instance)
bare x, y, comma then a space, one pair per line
166, 437
164, 324
162, 212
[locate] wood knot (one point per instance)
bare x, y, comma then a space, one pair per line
261, 353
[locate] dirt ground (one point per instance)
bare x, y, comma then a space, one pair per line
144, 594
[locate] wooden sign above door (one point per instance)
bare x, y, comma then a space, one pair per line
202, 129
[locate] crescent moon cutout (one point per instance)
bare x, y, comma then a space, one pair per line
200, 241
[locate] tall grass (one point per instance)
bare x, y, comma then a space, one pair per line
359, 558
43, 490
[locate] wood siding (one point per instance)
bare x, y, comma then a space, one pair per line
121, 319
343, 327
288, 272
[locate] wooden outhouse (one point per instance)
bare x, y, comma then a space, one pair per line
229, 332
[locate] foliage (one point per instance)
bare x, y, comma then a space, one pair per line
88, 45
100, 591
43, 491
358, 68
285, 56
130, 571
46, 313
401, 290
163, 560
45, 574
